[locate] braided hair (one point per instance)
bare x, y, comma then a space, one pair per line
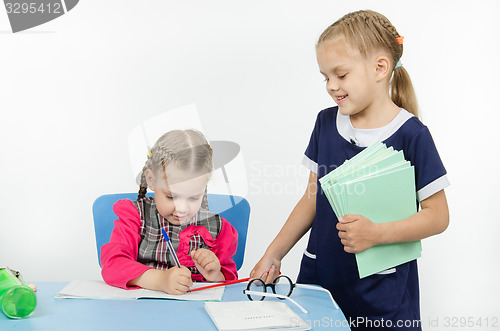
368, 30
186, 149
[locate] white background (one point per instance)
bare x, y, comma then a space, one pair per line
72, 90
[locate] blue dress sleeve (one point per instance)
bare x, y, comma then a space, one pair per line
310, 160
430, 173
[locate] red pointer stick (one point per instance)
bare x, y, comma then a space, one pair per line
222, 284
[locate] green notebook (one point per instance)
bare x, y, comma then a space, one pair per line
379, 184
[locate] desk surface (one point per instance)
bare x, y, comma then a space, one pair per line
78, 314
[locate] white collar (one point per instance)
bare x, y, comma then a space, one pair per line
366, 137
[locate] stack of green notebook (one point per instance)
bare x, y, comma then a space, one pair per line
379, 184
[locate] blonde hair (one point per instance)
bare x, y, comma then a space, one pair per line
186, 149
368, 30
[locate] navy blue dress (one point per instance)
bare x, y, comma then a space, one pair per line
389, 299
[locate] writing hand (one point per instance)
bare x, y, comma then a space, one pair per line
176, 280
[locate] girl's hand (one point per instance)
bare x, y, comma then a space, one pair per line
176, 280
267, 269
357, 233
207, 264
172, 281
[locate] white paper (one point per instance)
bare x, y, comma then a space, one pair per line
253, 315
98, 289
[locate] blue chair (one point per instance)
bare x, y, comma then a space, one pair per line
235, 209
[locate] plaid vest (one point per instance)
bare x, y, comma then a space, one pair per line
190, 236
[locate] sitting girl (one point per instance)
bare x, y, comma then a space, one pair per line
177, 171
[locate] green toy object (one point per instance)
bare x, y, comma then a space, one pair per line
17, 299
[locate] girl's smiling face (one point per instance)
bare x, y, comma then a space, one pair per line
179, 194
349, 76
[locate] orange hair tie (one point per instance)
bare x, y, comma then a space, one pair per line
400, 40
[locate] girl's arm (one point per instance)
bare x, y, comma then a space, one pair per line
297, 224
119, 256
358, 233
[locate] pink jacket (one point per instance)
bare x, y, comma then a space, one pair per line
119, 257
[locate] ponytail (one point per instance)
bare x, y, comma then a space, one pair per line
402, 91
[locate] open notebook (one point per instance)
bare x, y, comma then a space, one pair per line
379, 184
98, 289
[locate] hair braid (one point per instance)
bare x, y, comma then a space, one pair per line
143, 187
157, 155
397, 49
204, 201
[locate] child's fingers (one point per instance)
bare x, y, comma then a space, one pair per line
185, 272
184, 277
209, 263
264, 276
268, 275
200, 267
180, 289
342, 234
199, 253
272, 274
179, 281
195, 255
260, 270
343, 226
204, 257
266, 270
349, 218
213, 265
186, 282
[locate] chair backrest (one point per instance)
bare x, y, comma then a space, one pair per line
235, 209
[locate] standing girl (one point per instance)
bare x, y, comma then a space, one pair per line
177, 171
359, 56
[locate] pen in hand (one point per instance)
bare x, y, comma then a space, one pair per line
171, 248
